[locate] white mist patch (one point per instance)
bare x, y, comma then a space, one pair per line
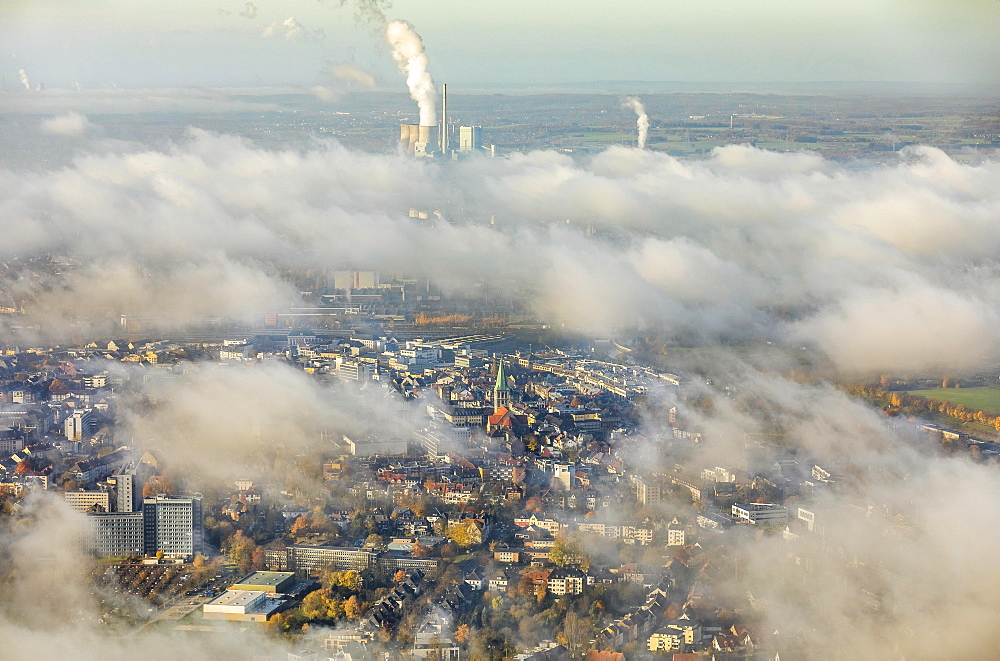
904, 330
219, 421
350, 73
70, 124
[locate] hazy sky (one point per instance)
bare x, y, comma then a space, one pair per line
100, 43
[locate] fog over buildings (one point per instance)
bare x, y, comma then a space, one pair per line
242, 307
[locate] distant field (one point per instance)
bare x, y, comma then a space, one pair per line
986, 399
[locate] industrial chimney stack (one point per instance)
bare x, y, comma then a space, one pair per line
444, 119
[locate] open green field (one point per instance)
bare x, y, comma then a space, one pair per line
985, 399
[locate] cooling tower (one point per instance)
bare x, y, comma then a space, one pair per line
429, 136
408, 134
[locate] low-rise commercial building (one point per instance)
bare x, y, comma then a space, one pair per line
758, 513
241, 606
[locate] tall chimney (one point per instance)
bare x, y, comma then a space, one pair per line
444, 119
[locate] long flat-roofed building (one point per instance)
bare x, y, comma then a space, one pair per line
312, 559
88, 501
271, 582
758, 513
241, 606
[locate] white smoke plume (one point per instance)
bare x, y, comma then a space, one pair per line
408, 51
642, 119
250, 11
23, 75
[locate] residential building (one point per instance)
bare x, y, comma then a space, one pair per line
92, 470
566, 580
88, 501
675, 533
679, 632
115, 534
78, 426
173, 525
646, 491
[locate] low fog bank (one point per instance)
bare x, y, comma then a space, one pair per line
896, 562
216, 423
51, 606
879, 268
860, 269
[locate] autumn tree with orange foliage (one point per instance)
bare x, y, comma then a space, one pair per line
423, 319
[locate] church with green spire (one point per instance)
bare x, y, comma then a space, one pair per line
501, 391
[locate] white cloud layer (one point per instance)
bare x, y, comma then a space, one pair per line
881, 267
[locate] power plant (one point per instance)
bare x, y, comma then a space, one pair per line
433, 141
419, 140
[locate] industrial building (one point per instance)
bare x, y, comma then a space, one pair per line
434, 141
370, 446
470, 138
418, 140
270, 582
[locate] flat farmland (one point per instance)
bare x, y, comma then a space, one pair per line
984, 399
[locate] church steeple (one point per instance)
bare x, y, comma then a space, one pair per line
501, 391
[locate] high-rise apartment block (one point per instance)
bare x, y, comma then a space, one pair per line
173, 525
128, 485
116, 534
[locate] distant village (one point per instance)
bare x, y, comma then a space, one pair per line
531, 512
